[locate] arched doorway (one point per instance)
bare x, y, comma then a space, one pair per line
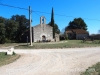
43, 38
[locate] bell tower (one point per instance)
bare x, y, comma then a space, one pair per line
42, 23
42, 20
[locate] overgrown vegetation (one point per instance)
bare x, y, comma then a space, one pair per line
94, 70
6, 59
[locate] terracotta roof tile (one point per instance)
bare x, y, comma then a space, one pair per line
77, 31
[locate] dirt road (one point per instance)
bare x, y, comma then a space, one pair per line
69, 61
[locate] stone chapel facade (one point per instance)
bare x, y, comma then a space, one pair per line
42, 31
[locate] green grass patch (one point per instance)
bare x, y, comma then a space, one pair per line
6, 59
10, 44
94, 70
52, 45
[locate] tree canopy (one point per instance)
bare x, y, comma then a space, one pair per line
2, 32
57, 30
2, 29
77, 23
22, 27
13, 29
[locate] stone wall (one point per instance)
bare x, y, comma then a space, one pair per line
42, 30
57, 37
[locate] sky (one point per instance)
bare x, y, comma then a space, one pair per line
88, 10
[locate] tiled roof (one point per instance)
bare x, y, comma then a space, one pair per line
69, 31
77, 31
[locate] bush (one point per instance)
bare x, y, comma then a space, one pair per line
7, 41
5, 53
49, 40
14, 53
2, 41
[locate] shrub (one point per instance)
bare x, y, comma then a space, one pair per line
49, 40
7, 41
66, 37
14, 53
5, 53
2, 41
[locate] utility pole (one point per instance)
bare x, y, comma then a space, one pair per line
30, 25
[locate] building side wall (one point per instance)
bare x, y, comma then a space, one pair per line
57, 37
71, 36
81, 36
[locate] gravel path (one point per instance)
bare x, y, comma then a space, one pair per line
70, 61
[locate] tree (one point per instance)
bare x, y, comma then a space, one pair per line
52, 23
2, 20
2, 33
77, 23
57, 30
2, 30
11, 29
23, 26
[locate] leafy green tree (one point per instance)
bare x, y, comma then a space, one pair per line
2, 33
2, 20
23, 26
77, 23
2, 30
57, 30
11, 28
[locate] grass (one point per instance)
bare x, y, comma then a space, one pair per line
9, 44
68, 44
50, 45
6, 59
94, 70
